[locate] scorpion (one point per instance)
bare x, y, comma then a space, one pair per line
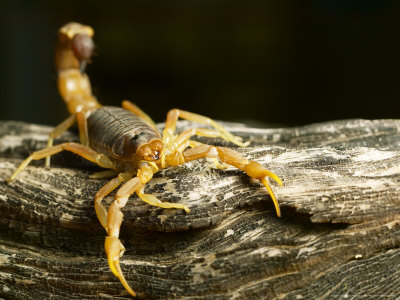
124, 140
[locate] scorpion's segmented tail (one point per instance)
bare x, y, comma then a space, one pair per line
74, 50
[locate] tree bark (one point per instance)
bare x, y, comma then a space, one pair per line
338, 237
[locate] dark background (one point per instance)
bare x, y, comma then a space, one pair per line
278, 62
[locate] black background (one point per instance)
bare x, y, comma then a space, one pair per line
277, 62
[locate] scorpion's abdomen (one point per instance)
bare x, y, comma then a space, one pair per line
117, 132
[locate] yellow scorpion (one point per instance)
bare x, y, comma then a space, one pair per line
125, 141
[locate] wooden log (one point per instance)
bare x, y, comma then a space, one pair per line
338, 237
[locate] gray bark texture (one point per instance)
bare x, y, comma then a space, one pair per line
338, 237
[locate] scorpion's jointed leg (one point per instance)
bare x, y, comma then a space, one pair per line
85, 152
104, 174
226, 155
133, 108
62, 127
182, 141
152, 200
83, 128
145, 173
172, 118
184, 136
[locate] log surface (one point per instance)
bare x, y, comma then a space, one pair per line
338, 237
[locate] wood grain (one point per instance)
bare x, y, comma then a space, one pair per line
338, 237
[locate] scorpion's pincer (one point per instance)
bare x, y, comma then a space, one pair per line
114, 249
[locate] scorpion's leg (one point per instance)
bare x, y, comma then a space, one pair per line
172, 118
103, 174
182, 142
83, 129
152, 200
128, 105
63, 126
85, 152
145, 173
252, 168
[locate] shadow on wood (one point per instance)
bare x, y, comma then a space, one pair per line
339, 234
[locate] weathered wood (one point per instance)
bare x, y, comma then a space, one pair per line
339, 235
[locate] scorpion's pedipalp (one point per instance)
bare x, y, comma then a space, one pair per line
271, 193
113, 251
231, 157
113, 246
114, 216
101, 212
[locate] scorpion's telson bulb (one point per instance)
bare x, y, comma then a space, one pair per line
82, 45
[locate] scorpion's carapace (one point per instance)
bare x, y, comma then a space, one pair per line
126, 142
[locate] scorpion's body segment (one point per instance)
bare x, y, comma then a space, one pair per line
119, 134
125, 140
